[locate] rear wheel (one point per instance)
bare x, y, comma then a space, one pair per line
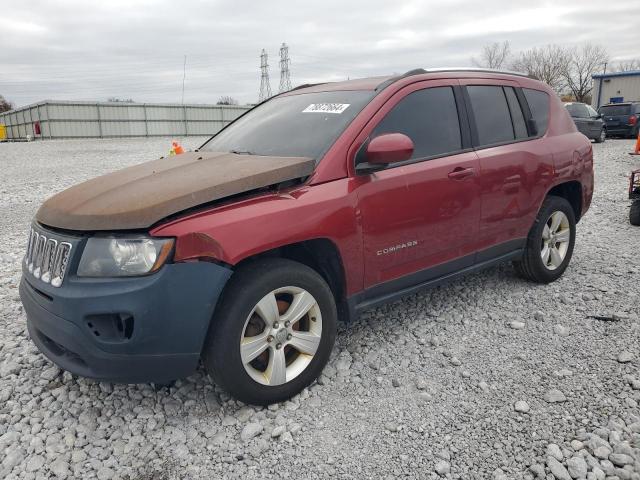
634, 213
550, 242
272, 333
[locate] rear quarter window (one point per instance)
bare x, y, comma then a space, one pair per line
539, 105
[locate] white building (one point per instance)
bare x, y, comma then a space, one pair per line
615, 87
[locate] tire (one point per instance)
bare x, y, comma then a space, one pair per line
602, 137
634, 213
275, 284
532, 266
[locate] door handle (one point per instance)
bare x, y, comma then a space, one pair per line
460, 173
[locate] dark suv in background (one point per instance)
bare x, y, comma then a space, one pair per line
588, 121
621, 119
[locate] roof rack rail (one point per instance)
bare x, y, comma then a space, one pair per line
421, 71
307, 85
470, 69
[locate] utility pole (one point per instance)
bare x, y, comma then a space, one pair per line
184, 75
285, 74
265, 86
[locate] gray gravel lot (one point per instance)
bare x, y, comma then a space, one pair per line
488, 377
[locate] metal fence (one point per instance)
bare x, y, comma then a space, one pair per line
61, 119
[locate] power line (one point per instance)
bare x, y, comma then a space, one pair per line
285, 74
265, 85
184, 75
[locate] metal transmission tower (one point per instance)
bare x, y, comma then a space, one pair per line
265, 86
285, 74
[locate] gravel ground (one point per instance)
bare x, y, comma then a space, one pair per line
488, 377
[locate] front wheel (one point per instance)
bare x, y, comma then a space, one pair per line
272, 333
550, 242
602, 137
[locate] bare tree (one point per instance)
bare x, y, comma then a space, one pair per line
495, 55
627, 65
547, 64
227, 100
583, 62
5, 105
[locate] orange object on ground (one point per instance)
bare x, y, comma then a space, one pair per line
637, 149
177, 148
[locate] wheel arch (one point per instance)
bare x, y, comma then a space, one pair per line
319, 254
572, 192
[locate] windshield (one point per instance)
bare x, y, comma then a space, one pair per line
611, 110
304, 125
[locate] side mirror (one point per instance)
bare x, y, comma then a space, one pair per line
385, 149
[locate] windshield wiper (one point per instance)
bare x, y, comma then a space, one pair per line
242, 152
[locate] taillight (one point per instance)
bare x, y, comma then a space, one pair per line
633, 119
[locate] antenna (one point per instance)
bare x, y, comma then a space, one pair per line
265, 86
285, 74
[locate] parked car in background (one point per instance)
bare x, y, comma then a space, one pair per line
588, 121
621, 119
319, 203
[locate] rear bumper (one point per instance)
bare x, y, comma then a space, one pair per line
619, 130
134, 330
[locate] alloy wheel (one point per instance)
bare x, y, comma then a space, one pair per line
281, 336
556, 236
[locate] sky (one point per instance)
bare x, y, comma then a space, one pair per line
93, 50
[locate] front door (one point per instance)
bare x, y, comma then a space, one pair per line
420, 217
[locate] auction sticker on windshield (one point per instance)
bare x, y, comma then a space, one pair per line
326, 108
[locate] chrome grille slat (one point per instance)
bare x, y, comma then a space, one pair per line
60, 265
32, 254
39, 255
47, 258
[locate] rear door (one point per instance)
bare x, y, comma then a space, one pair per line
420, 217
515, 162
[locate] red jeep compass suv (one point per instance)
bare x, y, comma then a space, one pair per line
316, 204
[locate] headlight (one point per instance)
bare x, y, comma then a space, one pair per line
123, 256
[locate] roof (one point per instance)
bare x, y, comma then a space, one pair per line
629, 73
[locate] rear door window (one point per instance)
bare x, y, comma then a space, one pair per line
491, 114
539, 105
517, 117
429, 118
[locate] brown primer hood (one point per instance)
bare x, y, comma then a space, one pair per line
139, 196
